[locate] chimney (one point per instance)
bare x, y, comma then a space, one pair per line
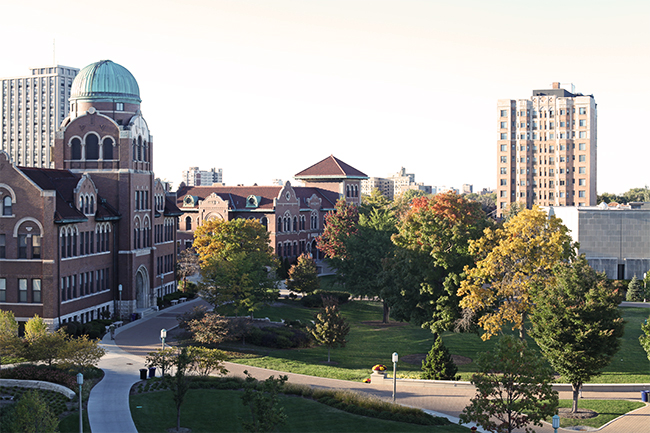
556, 85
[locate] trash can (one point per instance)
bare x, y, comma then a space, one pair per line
644, 395
152, 372
134, 317
143, 374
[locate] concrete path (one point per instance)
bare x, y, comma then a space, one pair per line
108, 407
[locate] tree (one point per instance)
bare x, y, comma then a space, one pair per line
330, 328
262, 400
339, 226
179, 384
635, 292
431, 251
513, 389
212, 328
577, 324
35, 328
303, 276
187, 264
10, 344
514, 261
236, 259
162, 359
46, 346
645, 338
33, 414
82, 353
438, 364
204, 360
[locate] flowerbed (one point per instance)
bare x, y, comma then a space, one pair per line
44, 373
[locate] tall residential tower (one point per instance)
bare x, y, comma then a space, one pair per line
546, 149
32, 109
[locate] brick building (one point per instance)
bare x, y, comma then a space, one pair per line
96, 234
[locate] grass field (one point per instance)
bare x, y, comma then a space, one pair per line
371, 342
608, 410
222, 411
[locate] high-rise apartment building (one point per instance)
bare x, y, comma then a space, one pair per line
32, 108
394, 185
196, 177
546, 149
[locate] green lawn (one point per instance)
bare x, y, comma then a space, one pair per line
607, 411
373, 343
222, 411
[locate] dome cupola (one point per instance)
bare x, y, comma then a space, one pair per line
105, 81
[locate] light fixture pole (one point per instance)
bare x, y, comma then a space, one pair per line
394, 374
163, 335
556, 422
80, 381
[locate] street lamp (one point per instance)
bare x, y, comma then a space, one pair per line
163, 335
80, 381
556, 422
119, 289
394, 374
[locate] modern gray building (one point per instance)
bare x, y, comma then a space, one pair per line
33, 107
615, 240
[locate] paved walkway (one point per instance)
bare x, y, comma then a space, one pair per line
108, 406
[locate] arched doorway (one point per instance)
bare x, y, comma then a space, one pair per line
142, 288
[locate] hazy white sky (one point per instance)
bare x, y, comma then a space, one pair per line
264, 89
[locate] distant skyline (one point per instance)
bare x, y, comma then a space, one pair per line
265, 89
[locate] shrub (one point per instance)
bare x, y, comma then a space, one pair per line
278, 338
41, 372
635, 291
315, 300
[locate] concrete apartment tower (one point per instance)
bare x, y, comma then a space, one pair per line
547, 149
32, 109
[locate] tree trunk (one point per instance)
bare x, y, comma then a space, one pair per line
386, 313
178, 418
328, 354
576, 392
522, 330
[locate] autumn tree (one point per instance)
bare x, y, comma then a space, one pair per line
514, 261
330, 328
236, 260
211, 328
303, 276
339, 225
438, 365
431, 251
187, 264
513, 389
577, 324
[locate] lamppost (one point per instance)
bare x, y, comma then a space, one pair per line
556, 422
80, 381
119, 305
163, 335
394, 374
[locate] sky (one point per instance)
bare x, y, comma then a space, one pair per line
265, 89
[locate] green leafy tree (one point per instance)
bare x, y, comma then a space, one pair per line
262, 400
338, 227
236, 260
438, 364
577, 324
303, 276
11, 345
179, 384
330, 328
431, 251
33, 415
513, 389
35, 328
46, 346
205, 361
162, 359
645, 338
635, 292
514, 262
81, 353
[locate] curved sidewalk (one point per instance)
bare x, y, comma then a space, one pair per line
108, 406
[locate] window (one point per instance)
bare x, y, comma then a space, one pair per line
504, 181
503, 194
503, 125
562, 147
36, 290
504, 136
561, 183
3, 290
581, 194
582, 110
561, 195
188, 223
550, 184
562, 124
107, 148
582, 146
503, 148
582, 182
22, 290
504, 159
22, 246
582, 158
36, 247
583, 122
504, 170
582, 170
504, 113
3, 241
583, 134
6, 206
119, 106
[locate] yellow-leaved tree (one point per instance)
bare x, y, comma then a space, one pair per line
514, 262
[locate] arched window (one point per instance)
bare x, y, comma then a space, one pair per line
92, 205
145, 152
295, 224
135, 152
139, 149
188, 223
107, 148
279, 229
86, 206
264, 222
279, 252
76, 148
287, 224
92, 147
6, 206
347, 190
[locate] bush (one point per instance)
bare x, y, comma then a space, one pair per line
315, 300
635, 291
278, 338
40, 372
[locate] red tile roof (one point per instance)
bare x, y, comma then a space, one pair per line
330, 168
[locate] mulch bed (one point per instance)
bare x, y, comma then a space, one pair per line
565, 412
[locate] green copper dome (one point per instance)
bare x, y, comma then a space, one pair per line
105, 81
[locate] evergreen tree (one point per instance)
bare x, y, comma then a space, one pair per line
645, 338
438, 364
635, 292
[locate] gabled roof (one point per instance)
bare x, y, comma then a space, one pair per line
331, 168
170, 208
237, 196
63, 183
